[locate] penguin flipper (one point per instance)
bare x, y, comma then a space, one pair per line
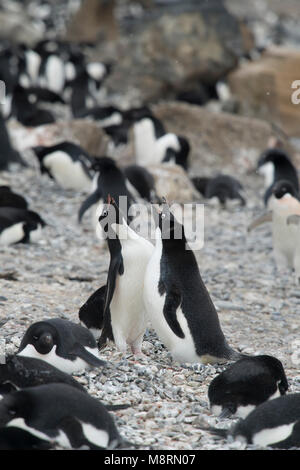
172, 302
90, 200
88, 357
260, 220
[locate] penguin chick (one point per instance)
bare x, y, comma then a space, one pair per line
246, 384
19, 226
66, 163
222, 187
61, 343
275, 165
91, 312
274, 423
177, 301
62, 415
124, 312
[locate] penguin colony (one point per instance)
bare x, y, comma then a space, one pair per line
154, 283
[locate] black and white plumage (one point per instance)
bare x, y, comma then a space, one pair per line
64, 344
275, 165
142, 181
62, 415
14, 438
246, 384
19, 226
66, 163
124, 319
20, 372
222, 187
27, 112
109, 180
91, 312
10, 199
177, 301
8, 154
274, 423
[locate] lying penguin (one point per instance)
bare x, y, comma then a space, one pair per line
283, 203
61, 343
19, 226
275, 165
66, 163
246, 384
223, 187
177, 301
274, 423
61, 415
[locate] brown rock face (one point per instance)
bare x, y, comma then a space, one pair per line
264, 88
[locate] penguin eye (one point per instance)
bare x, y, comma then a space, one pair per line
12, 411
35, 338
105, 213
163, 216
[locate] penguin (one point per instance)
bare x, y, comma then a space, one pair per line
177, 301
246, 384
142, 181
105, 115
8, 154
10, 199
14, 438
27, 111
66, 163
109, 179
274, 423
62, 415
52, 72
283, 202
153, 145
19, 226
61, 343
91, 312
124, 311
20, 372
222, 187
275, 165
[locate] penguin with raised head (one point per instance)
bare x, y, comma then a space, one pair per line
124, 312
177, 301
67, 163
284, 203
61, 343
19, 226
274, 423
62, 415
275, 165
109, 179
246, 384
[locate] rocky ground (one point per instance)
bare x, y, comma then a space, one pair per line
259, 310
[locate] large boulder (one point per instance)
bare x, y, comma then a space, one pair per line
264, 88
170, 49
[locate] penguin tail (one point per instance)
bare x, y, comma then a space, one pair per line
221, 432
117, 407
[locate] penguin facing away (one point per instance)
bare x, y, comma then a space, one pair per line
275, 165
19, 226
61, 343
61, 414
274, 423
177, 301
246, 384
124, 311
20, 372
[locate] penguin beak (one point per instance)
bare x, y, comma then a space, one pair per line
226, 413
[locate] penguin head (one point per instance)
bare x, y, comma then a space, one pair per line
41, 335
284, 188
111, 218
103, 164
274, 156
14, 405
169, 227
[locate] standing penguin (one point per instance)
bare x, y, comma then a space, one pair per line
109, 179
64, 344
66, 163
275, 165
124, 311
284, 203
246, 384
177, 301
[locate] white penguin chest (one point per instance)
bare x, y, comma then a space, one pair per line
67, 173
144, 141
12, 234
